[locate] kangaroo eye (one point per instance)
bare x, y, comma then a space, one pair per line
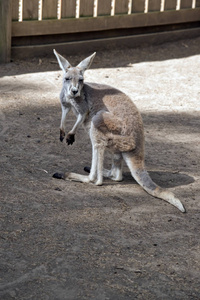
67, 79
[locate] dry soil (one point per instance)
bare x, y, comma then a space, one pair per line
63, 240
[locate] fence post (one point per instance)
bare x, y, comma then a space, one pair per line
5, 30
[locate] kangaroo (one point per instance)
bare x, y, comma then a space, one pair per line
113, 123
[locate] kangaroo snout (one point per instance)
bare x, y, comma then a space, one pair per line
74, 91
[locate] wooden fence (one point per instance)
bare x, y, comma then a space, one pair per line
28, 24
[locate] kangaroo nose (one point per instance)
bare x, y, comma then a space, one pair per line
75, 91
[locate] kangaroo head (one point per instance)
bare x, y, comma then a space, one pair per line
73, 76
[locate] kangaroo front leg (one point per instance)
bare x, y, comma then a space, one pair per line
70, 139
65, 111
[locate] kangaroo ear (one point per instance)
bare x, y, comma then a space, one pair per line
86, 63
63, 63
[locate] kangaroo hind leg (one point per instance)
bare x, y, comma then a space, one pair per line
96, 171
72, 176
115, 173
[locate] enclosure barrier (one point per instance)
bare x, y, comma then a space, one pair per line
26, 25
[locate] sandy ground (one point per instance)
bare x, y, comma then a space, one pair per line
66, 240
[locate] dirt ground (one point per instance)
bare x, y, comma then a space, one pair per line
66, 240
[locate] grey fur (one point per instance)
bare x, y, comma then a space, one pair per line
113, 123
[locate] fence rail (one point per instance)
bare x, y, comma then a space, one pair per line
23, 10
37, 18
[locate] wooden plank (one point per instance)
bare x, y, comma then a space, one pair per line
90, 46
186, 4
30, 10
154, 5
5, 32
68, 9
170, 4
138, 6
86, 8
104, 8
49, 9
15, 10
121, 7
31, 28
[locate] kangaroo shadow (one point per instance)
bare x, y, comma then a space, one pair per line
163, 179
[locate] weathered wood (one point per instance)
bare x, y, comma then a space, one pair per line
31, 28
15, 10
86, 8
49, 9
5, 30
138, 6
30, 10
121, 7
197, 3
170, 4
154, 5
104, 8
89, 46
68, 9
186, 4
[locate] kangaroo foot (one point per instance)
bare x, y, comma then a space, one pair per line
87, 169
59, 175
62, 135
70, 139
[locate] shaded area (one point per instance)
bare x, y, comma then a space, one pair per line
67, 240
107, 59
164, 179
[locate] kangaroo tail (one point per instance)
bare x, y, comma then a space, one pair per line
143, 178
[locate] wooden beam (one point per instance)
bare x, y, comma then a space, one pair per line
121, 7
46, 27
49, 9
104, 8
170, 4
154, 5
15, 10
186, 4
30, 10
68, 9
90, 46
5, 30
86, 8
138, 6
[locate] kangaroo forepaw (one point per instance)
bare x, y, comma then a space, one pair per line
62, 135
70, 139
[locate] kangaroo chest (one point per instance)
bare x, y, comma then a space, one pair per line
79, 105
